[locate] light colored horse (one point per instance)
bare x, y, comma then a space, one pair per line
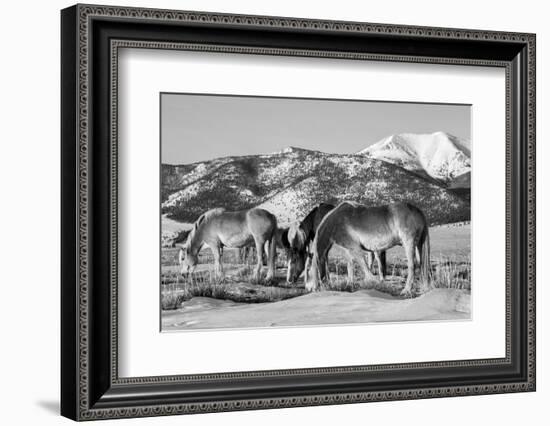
357, 228
300, 238
218, 228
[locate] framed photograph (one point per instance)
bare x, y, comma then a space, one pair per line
263, 212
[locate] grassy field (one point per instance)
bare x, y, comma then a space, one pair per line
450, 266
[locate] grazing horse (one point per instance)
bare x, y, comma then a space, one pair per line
358, 228
218, 228
301, 239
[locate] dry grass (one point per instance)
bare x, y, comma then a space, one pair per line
451, 273
446, 272
173, 295
239, 284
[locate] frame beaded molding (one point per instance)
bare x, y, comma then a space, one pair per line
88, 12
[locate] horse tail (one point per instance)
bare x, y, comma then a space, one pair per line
316, 273
321, 245
425, 265
270, 249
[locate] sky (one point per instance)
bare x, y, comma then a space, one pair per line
198, 127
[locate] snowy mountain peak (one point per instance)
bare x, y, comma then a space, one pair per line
440, 155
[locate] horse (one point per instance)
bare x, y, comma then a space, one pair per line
358, 228
301, 238
218, 228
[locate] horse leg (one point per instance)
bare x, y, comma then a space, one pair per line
306, 268
359, 255
259, 260
378, 255
288, 265
318, 264
312, 281
382, 264
319, 267
218, 262
271, 258
410, 252
265, 254
369, 259
351, 276
322, 269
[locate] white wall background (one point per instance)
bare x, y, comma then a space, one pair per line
29, 214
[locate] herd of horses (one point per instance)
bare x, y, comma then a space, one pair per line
364, 233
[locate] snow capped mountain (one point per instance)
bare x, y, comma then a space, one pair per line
439, 155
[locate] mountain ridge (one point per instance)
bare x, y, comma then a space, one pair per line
291, 183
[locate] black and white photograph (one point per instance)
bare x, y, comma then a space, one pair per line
279, 212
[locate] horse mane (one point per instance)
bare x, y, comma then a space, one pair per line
202, 220
297, 236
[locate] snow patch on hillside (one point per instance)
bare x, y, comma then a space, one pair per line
184, 195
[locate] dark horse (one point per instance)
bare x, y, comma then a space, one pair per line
300, 236
357, 228
300, 239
